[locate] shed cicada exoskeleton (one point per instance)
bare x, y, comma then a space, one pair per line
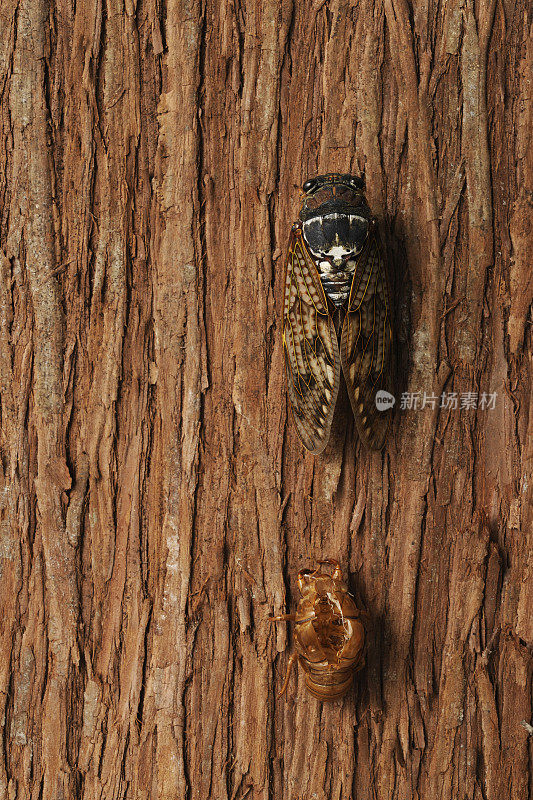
336, 313
329, 635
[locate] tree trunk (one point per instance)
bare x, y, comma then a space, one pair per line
156, 503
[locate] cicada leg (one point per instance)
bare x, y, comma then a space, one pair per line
337, 573
305, 576
290, 665
283, 618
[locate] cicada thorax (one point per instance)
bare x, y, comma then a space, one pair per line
335, 223
329, 635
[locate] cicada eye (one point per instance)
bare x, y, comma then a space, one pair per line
309, 185
357, 182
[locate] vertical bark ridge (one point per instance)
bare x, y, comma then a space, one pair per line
178, 361
32, 173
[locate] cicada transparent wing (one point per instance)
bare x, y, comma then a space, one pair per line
366, 343
310, 345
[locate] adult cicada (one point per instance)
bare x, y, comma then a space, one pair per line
329, 635
336, 313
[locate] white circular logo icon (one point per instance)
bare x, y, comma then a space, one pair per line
384, 400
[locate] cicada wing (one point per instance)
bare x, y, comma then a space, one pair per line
310, 346
366, 344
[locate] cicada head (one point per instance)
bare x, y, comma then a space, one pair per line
335, 216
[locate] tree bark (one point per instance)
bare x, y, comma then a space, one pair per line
156, 503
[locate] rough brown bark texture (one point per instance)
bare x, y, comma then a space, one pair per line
156, 503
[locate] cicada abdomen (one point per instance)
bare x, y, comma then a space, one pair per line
336, 313
329, 635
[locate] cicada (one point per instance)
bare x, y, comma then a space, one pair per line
329, 635
336, 313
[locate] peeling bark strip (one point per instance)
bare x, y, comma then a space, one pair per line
155, 502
